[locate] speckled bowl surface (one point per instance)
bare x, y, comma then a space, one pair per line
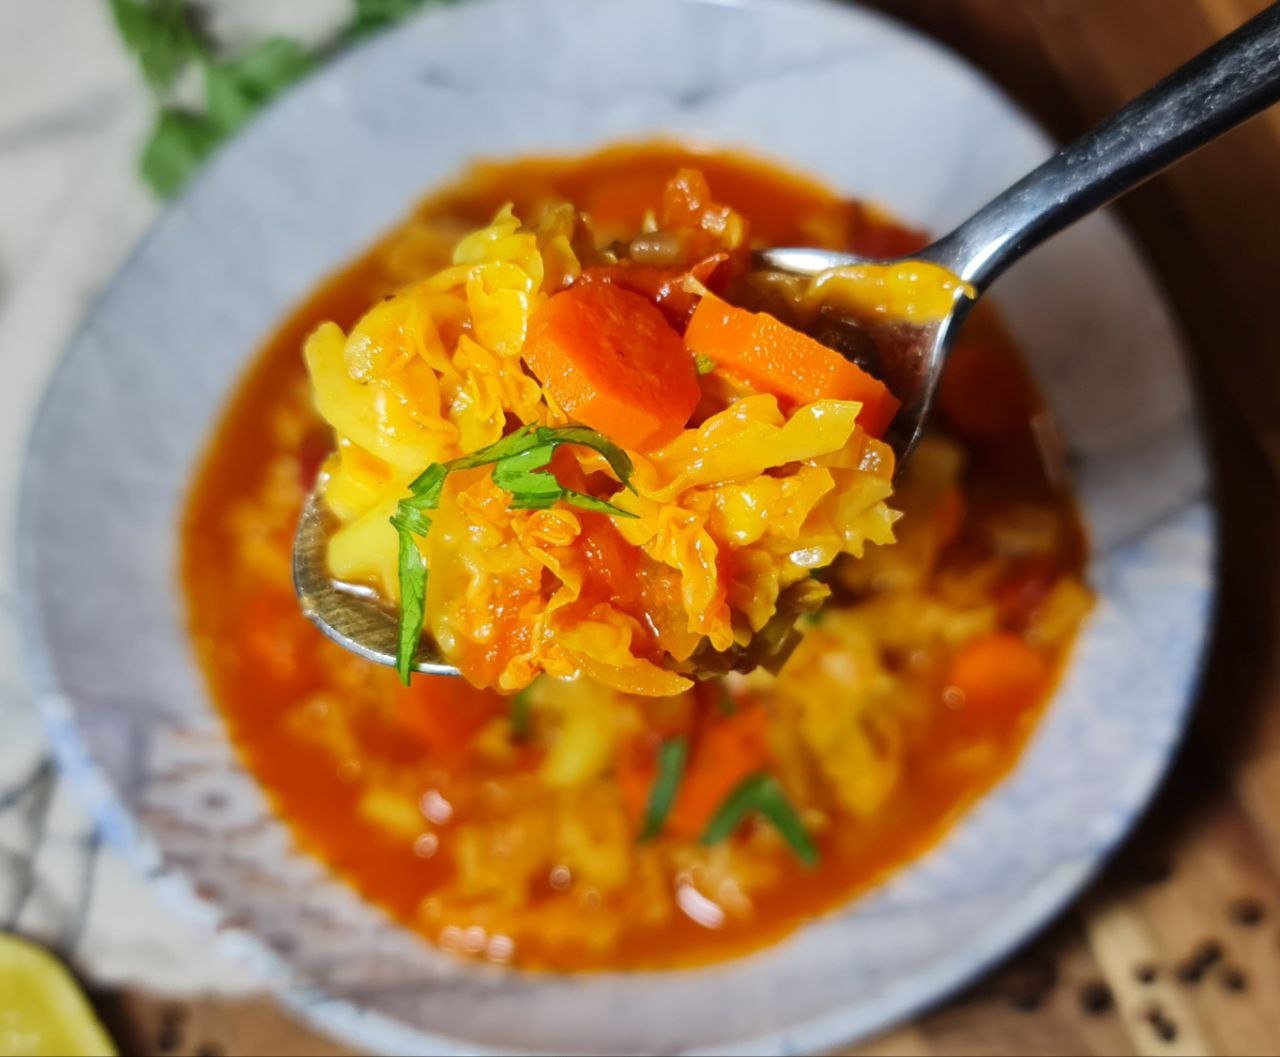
869, 106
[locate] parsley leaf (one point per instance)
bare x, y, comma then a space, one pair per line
157, 33
413, 596
532, 488
226, 100
269, 66
618, 460
518, 461
761, 794
672, 755
165, 37
179, 143
236, 89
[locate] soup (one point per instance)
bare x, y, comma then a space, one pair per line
586, 824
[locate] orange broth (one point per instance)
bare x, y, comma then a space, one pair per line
273, 675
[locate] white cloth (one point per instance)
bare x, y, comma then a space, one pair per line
71, 207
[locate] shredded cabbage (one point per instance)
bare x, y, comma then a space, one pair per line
728, 515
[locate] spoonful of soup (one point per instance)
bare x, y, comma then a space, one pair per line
629, 458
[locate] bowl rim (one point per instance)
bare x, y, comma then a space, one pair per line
361, 1026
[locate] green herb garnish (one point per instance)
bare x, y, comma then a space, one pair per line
703, 364
519, 460
238, 88
177, 147
413, 588
671, 760
166, 38
761, 794
159, 34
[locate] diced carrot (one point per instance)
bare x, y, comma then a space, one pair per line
446, 713
704, 224
718, 324
729, 749
985, 391
611, 360
686, 200
687, 205
772, 357
999, 675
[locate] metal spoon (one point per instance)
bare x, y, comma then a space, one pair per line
1219, 88
1215, 91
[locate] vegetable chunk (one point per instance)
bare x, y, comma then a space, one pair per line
612, 361
775, 358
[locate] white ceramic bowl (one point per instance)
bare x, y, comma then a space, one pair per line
849, 96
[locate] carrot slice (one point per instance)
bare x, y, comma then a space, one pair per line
727, 751
445, 713
772, 357
611, 360
716, 324
999, 675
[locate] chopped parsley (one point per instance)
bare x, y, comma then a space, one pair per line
761, 794
519, 463
672, 755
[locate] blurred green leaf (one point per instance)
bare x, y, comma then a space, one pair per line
228, 103
179, 143
269, 66
236, 88
158, 35
761, 793
373, 15
164, 36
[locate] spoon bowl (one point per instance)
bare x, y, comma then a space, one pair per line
909, 356
1216, 90
352, 616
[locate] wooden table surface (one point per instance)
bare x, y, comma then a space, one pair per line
1176, 950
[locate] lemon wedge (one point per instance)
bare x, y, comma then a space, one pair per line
42, 1010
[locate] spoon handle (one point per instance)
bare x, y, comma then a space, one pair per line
1219, 88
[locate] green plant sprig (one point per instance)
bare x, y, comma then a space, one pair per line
165, 37
519, 463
